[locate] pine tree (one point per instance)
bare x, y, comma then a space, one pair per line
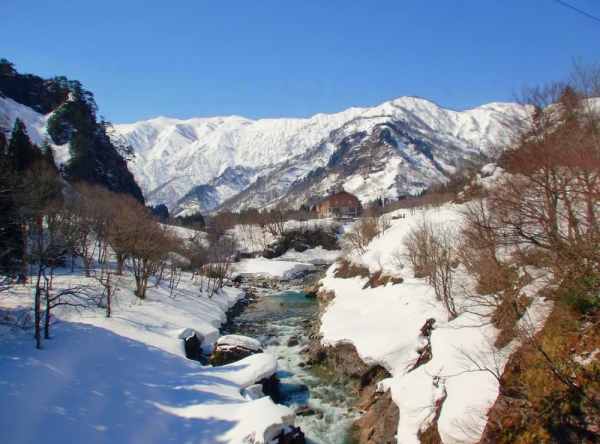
47, 153
3, 143
21, 152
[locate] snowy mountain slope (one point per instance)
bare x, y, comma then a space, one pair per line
35, 123
370, 157
174, 156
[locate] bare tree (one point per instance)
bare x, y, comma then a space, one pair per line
150, 248
221, 265
432, 251
41, 202
276, 218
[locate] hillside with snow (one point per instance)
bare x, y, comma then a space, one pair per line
125, 378
447, 378
399, 147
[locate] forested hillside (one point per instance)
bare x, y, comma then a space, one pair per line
72, 120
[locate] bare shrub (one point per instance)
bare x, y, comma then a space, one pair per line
221, 265
362, 233
431, 250
480, 244
347, 269
150, 248
397, 260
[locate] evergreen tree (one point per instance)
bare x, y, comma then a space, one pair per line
47, 154
3, 143
81, 165
160, 210
21, 152
7, 68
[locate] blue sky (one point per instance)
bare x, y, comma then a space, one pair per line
289, 58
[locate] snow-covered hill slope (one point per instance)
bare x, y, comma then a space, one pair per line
211, 160
456, 386
126, 379
35, 124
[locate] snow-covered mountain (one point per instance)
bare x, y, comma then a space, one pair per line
399, 147
395, 148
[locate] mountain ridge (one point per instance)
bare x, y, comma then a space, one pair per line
176, 155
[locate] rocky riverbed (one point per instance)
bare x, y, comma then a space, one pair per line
331, 389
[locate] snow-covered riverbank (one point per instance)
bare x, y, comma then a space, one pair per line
455, 385
126, 378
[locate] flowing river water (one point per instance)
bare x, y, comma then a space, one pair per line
277, 320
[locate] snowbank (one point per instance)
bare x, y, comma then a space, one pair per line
239, 341
264, 268
126, 378
317, 256
384, 325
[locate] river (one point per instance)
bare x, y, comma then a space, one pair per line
274, 319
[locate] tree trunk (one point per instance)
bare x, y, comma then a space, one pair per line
86, 265
36, 310
108, 295
120, 262
47, 316
24, 264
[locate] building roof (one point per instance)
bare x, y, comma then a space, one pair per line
337, 194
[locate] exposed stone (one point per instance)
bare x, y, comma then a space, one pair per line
307, 411
271, 388
312, 290
379, 424
431, 435
291, 435
428, 327
292, 341
226, 355
425, 354
193, 347
325, 296
232, 348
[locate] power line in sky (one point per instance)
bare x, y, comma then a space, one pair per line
578, 10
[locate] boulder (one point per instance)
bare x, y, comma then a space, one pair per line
312, 290
232, 348
270, 387
307, 411
192, 343
292, 341
291, 435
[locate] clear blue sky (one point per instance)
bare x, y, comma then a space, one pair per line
266, 58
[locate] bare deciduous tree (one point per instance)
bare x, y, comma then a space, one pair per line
431, 249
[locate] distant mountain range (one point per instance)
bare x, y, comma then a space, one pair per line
397, 148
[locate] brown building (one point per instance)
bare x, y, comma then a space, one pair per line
339, 205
